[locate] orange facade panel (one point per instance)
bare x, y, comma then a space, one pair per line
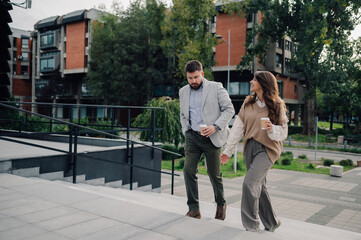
21, 87
238, 31
290, 88
75, 45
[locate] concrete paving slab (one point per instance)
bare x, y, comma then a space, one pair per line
121, 214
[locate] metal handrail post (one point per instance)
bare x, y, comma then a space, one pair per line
128, 131
75, 156
153, 131
26, 121
70, 138
172, 187
113, 120
131, 167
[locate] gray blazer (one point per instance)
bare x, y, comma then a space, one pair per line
217, 108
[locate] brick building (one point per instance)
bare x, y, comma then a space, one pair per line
20, 65
277, 60
61, 45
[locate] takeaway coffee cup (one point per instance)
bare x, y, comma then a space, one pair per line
263, 123
202, 127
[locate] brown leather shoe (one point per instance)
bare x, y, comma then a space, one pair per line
194, 214
221, 212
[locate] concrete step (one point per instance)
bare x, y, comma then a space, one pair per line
95, 181
144, 215
52, 176
27, 172
79, 179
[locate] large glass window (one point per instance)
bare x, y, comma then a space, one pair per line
47, 39
24, 43
278, 60
239, 88
47, 64
25, 57
24, 70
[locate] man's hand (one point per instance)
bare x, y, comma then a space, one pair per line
224, 158
208, 131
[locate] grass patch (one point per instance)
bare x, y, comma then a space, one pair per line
326, 125
298, 164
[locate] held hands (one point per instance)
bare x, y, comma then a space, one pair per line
224, 158
208, 131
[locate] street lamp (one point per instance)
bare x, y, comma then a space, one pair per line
229, 53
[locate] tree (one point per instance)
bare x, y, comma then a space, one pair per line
187, 36
312, 25
125, 56
167, 119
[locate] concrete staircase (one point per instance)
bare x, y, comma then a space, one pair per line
53, 176
108, 213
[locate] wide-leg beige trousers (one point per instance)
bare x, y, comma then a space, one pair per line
255, 198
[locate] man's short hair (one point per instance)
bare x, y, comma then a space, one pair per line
193, 65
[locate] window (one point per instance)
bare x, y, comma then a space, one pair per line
24, 43
288, 64
279, 60
47, 64
47, 39
14, 41
239, 88
24, 57
295, 48
295, 89
24, 70
288, 45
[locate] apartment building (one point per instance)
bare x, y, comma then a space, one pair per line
20, 65
61, 45
233, 31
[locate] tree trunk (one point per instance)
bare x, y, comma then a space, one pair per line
331, 121
310, 110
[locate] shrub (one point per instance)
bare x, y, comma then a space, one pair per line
286, 161
346, 162
238, 166
327, 162
276, 162
302, 156
294, 129
171, 148
181, 163
311, 166
287, 154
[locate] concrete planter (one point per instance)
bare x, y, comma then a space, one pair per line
336, 170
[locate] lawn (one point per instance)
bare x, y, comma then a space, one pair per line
296, 164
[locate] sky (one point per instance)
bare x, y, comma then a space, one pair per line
26, 18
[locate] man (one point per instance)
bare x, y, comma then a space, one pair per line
204, 102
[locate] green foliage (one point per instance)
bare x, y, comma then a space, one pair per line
126, 57
294, 129
302, 156
167, 119
346, 162
319, 28
327, 162
168, 147
181, 163
311, 166
286, 161
187, 36
287, 154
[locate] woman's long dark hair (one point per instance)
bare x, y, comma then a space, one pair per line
269, 86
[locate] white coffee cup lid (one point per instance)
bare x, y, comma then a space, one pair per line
265, 118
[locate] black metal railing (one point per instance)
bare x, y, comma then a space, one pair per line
73, 140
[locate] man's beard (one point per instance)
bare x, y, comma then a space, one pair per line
196, 86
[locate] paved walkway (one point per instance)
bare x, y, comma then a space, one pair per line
312, 198
36, 209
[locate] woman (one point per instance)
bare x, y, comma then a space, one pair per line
262, 147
